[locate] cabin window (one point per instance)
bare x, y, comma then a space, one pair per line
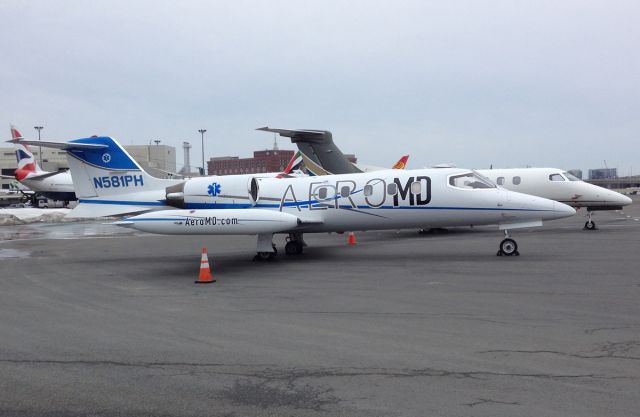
571, 177
392, 189
500, 180
516, 180
344, 191
324, 192
368, 190
470, 181
416, 187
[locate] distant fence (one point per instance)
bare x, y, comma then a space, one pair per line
617, 183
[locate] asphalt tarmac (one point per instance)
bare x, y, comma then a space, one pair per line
402, 324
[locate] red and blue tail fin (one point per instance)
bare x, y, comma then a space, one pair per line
27, 164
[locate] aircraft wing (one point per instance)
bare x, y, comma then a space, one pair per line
317, 146
59, 145
83, 210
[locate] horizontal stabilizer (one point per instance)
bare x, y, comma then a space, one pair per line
317, 146
296, 133
65, 146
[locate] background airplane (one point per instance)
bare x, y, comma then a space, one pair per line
318, 147
108, 181
558, 185
53, 185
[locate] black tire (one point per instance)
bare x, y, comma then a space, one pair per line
590, 225
509, 247
265, 256
293, 248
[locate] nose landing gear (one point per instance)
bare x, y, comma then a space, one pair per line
590, 224
508, 246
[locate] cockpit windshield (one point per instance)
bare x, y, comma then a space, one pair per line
470, 181
571, 177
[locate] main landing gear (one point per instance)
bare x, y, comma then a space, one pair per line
295, 244
590, 224
508, 246
266, 249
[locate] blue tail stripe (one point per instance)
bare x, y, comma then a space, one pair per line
112, 158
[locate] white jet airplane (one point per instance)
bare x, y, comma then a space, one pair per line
109, 182
53, 185
323, 157
556, 184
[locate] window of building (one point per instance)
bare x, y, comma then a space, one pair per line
516, 180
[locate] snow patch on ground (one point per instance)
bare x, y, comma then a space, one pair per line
13, 216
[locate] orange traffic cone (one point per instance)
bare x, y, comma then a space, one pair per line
205, 272
351, 240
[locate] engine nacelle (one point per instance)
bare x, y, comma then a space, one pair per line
203, 192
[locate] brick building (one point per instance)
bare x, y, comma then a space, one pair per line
270, 160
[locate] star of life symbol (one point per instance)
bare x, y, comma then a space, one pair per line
106, 158
214, 189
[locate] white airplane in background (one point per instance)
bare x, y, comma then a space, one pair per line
109, 182
556, 184
53, 185
323, 157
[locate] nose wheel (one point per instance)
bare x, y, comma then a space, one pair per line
508, 246
590, 224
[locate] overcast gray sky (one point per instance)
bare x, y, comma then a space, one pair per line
508, 83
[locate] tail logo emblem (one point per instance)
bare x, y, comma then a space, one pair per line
106, 158
214, 189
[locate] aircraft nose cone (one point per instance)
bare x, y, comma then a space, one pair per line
563, 209
624, 200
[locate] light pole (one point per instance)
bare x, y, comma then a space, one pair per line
39, 128
202, 131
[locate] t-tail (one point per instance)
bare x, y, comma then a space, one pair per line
108, 181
